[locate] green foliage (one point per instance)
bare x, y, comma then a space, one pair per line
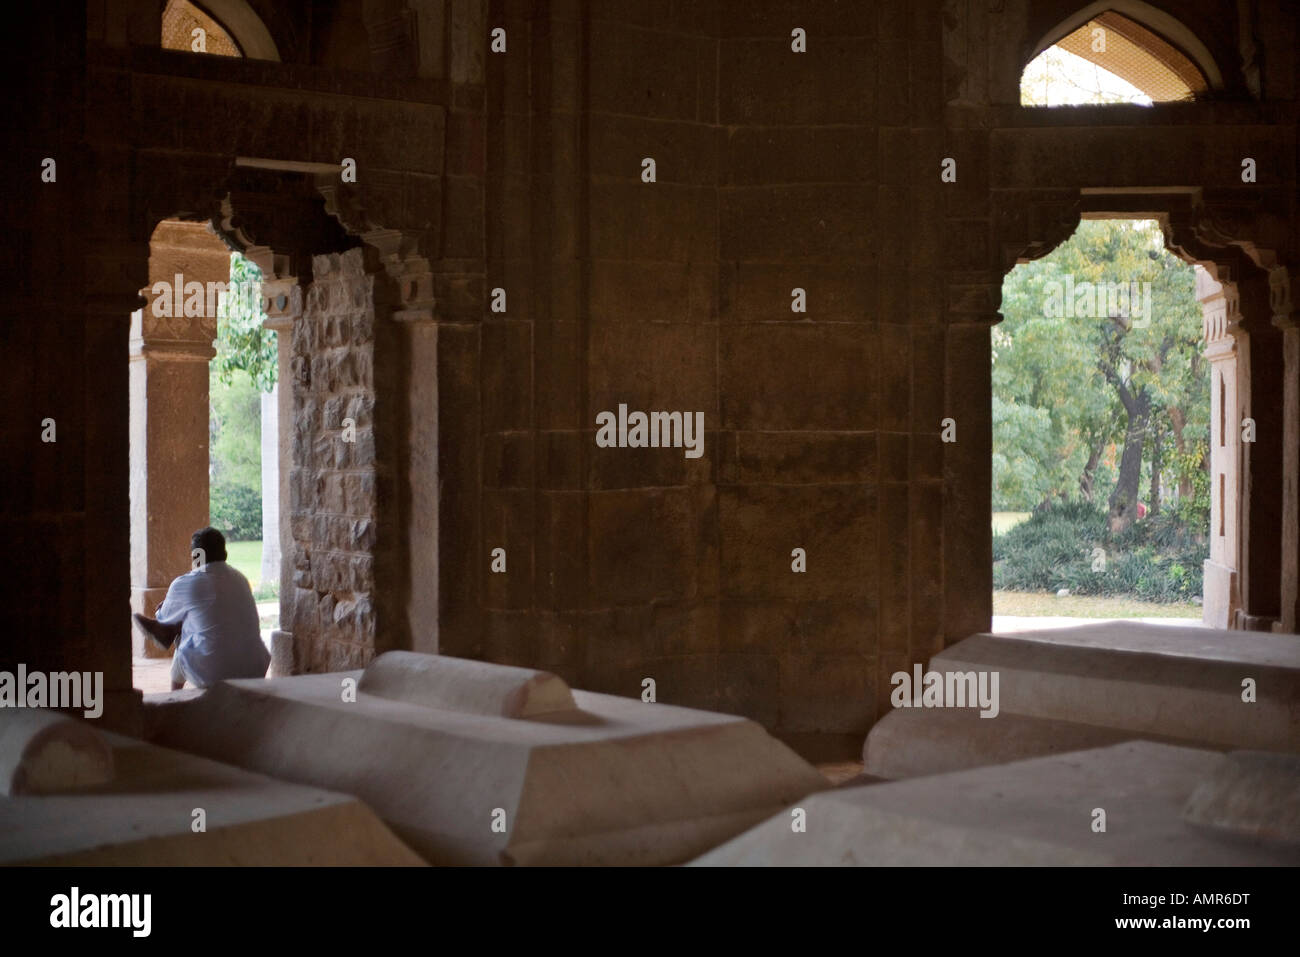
1156, 559
236, 510
234, 432
1020, 482
235, 456
1058, 380
242, 344
1194, 511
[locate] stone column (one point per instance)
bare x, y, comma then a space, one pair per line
416, 455
88, 604
1285, 319
1220, 587
282, 302
270, 484
1260, 470
170, 349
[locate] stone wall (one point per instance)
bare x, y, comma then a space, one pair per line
774, 170
334, 480
523, 171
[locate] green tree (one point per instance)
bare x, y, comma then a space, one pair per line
244, 367
1107, 368
242, 344
1020, 480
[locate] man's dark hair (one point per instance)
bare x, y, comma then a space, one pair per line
212, 542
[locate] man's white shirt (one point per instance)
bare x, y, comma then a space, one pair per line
220, 634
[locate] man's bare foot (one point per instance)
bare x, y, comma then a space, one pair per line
162, 636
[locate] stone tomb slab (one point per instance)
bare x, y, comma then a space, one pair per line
605, 780
1073, 688
144, 815
1035, 812
1255, 794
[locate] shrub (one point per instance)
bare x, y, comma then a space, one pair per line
1157, 559
237, 511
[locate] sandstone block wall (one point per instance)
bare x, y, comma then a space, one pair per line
334, 480
523, 171
774, 170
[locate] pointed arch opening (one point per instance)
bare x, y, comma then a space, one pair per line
1121, 51
217, 27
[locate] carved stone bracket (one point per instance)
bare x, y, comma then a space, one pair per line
1028, 231
400, 253
278, 220
282, 302
1221, 321
1283, 284
1231, 233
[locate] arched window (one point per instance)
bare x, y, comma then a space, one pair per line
186, 27
1112, 58
219, 27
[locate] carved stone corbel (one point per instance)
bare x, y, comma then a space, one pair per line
400, 253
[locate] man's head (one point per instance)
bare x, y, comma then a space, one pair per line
211, 542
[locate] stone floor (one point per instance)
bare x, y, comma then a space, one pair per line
154, 675
1003, 624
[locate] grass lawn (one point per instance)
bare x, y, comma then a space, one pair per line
1003, 522
1087, 606
247, 557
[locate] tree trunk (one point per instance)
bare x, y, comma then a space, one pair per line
1153, 500
1090, 472
1123, 501
1179, 422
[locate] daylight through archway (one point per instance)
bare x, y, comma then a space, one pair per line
1110, 59
1101, 432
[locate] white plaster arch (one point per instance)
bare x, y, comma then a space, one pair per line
242, 23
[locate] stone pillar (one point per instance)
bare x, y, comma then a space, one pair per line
416, 455
84, 601
169, 356
270, 485
1220, 587
334, 481
282, 302
1285, 319
1260, 484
